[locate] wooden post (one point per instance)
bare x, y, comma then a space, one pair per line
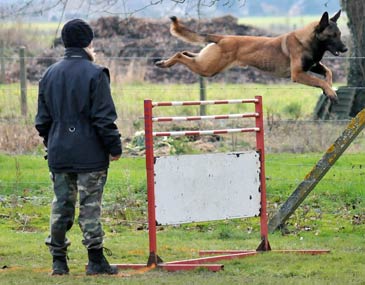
2, 62
356, 125
23, 82
203, 95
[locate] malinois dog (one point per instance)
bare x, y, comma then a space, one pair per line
288, 55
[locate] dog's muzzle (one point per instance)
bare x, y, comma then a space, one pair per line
336, 52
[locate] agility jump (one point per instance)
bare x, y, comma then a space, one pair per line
193, 188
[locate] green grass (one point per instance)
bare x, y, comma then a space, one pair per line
276, 97
325, 220
342, 266
285, 101
331, 217
28, 174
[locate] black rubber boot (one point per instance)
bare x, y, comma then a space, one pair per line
98, 263
59, 266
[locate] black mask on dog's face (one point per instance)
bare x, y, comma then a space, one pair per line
328, 33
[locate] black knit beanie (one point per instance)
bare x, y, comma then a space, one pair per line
77, 33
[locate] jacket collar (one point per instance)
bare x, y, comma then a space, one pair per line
74, 53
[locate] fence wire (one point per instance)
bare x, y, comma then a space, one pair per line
286, 131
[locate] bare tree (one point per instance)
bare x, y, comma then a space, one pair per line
29, 7
123, 8
355, 10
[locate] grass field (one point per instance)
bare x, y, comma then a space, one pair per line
264, 22
31, 26
285, 24
283, 101
35, 35
332, 217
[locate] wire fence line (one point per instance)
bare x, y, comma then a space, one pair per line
140, 59
282, 134
288, 124
10, 56
16, 58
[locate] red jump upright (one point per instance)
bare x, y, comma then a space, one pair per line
174, 216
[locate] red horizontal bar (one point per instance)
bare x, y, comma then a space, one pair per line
210, 117
214, 258
171, 266
303, 251
208, 102
191, 264
206, 132
300, 251
210, 252
178, 267
130, 266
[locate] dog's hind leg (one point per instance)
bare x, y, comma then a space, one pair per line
181, 57
193, 62
172, 60
208, 62
190, 54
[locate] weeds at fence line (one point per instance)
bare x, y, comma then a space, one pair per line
288, 123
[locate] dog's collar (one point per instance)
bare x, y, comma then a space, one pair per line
284, 46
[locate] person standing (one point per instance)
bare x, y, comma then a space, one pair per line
75, 118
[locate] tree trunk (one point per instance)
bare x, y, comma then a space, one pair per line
355, 10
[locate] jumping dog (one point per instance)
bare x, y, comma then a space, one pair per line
289, 55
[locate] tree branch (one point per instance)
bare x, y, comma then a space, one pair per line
30, 7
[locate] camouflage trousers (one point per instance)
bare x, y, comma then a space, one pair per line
66, 186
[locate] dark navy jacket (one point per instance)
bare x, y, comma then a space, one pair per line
76, 115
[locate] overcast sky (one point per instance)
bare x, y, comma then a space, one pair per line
164, 8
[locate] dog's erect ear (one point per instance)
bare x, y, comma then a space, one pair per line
335, 17
324, 22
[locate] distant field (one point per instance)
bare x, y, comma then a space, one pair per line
285, 21
280, 24
275, 23
35, 35
129, 97
287, 101
31, 26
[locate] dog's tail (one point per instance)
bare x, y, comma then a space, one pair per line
184, 33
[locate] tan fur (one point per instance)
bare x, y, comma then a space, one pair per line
281, 55
182, 32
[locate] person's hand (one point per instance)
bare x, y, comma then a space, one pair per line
114, 158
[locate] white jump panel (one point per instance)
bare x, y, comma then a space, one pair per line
207, 187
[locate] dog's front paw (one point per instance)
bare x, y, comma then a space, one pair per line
160, 63
334, 100
331, 94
